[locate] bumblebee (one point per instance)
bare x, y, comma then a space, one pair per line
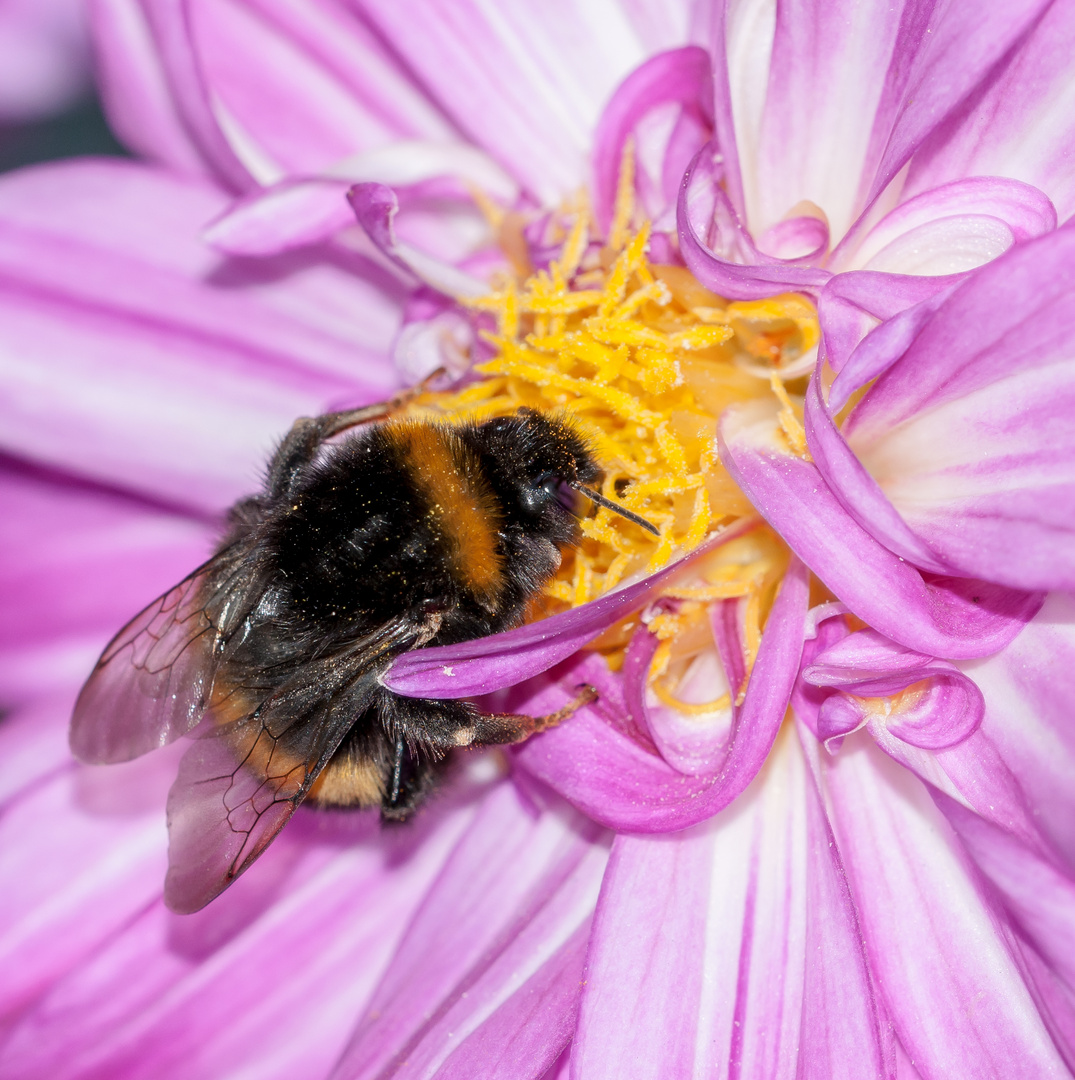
404, 534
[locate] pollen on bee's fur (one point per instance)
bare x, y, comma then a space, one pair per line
644, 359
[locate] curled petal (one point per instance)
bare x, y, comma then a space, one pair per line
965, 441
917, 699
711, 236
680, 76
616, 780
492, 663
939, 616
307, 210
955, 227
375, 206
855, 302
691, 743
290, 214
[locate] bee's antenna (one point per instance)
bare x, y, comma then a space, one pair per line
608, 504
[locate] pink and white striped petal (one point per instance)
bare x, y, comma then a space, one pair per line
1018, 124
269, 979
968, 434
525, 83
731, 948
130, 354
496, 940
950, 977
949, 617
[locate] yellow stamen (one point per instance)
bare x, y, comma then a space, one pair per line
625, 198
789, 420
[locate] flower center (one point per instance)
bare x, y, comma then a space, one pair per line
645, 360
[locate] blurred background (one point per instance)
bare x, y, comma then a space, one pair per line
47, 106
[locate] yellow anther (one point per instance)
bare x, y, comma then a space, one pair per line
789, 421
625, 198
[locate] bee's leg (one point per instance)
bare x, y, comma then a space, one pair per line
301, 443
494, 728
397, 772
411, 776
417, 735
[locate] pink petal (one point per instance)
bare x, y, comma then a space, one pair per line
45, 58
852, 303
492, 663
691, 744
132, 357
718, 250
732, 945
376, 207
864, 665
300, 211
953, 228
601, 766
525, 83
1038, 894
1019, 122
75, 564
290, 214
169, 24
1028, 688
816, 139
72, 879
681, 77
949, 977
491, 944
268, 980
845, 1032
947, 54
344, 91
134, 87
968, 434
943, 617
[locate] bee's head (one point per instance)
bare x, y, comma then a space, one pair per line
541, 467
535, 461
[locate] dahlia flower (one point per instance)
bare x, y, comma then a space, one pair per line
798, 275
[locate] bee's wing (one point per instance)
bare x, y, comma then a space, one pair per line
240, 781
154, 678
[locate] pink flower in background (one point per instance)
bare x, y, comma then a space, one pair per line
879, 884
45, 50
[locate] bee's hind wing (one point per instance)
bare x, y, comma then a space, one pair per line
240, 781
154, 679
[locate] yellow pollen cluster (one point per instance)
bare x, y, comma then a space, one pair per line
644, 360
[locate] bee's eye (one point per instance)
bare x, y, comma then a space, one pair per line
557, 488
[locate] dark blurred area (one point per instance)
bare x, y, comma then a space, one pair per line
78, 131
